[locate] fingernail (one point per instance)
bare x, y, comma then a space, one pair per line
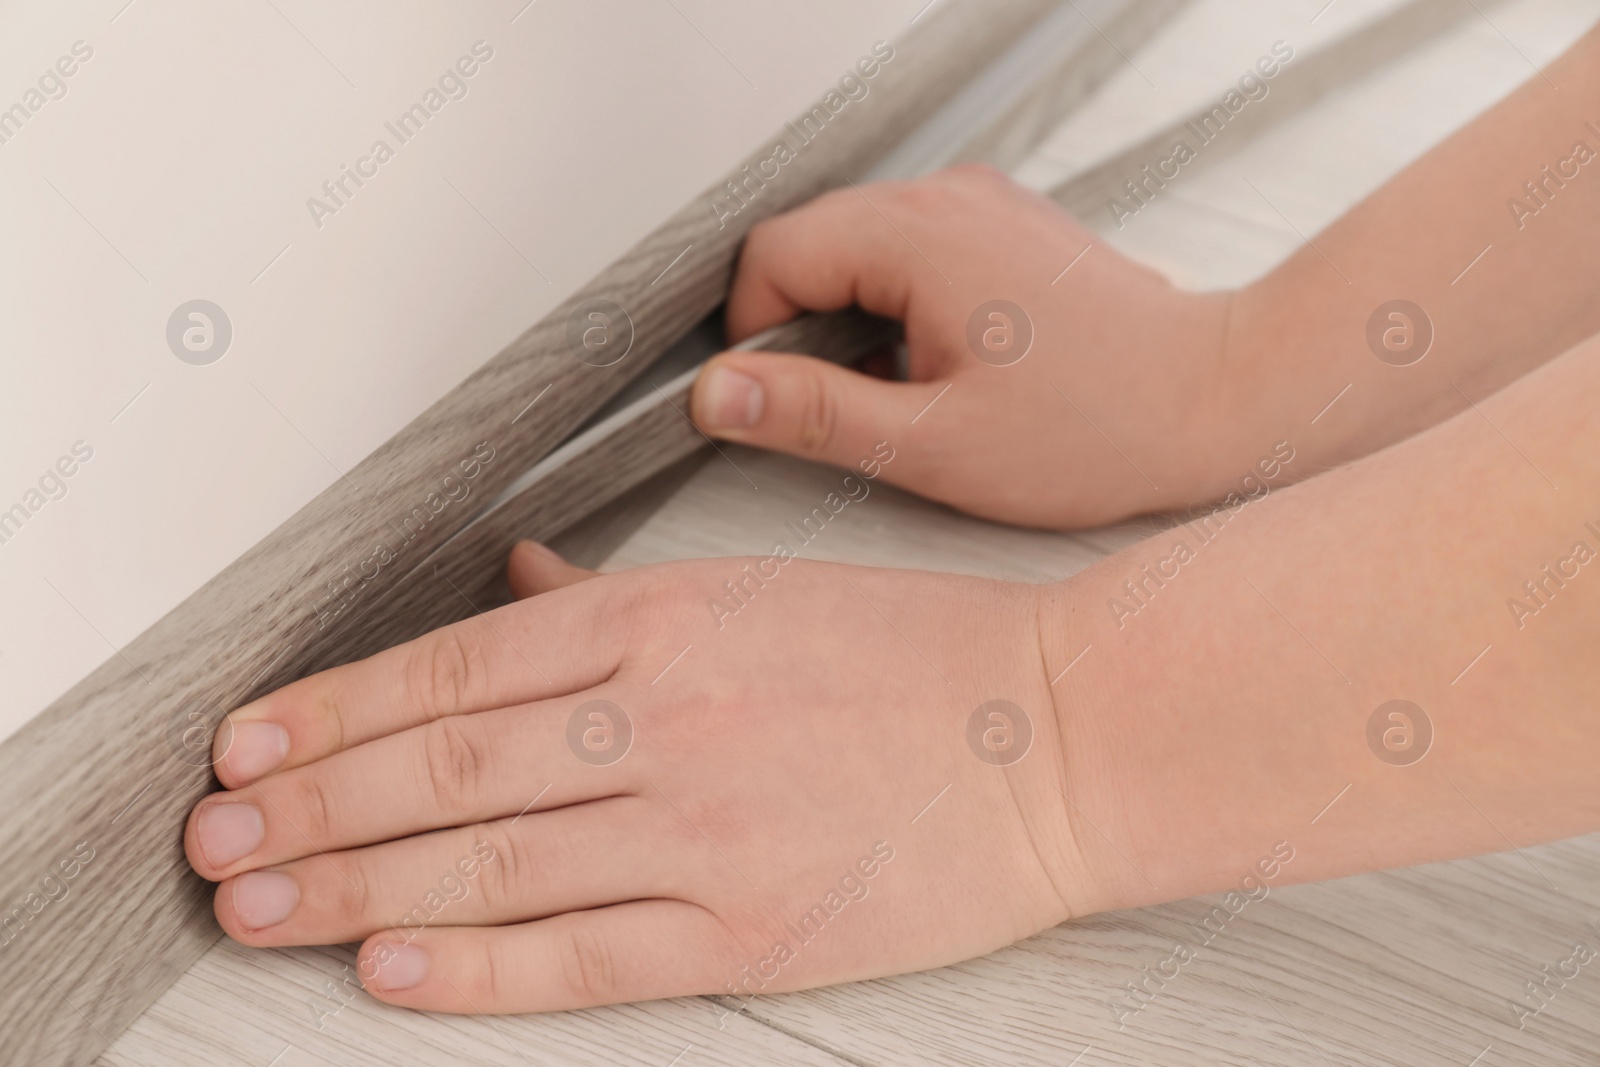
734, 401
252, 749
229, 831
399, 966
264, 898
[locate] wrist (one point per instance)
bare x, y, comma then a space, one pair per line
1096, 835
1221, 421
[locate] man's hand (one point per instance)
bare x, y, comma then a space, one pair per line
1134, 396
1120, 403
623, 788
609, 791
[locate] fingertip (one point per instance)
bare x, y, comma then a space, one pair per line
530, 557
248, 906
727, 397
191, 846
809, 407
247, 748
534, 568
528, 560
394, 969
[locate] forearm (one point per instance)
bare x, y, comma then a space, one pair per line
1222, 708
1300, 335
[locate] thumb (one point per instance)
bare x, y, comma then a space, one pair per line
804, 406
534, 569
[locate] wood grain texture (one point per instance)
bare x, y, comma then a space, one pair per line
996, 119
591, 540
1101, 48
1412, 968
627, 443
1005, 112
108, 764
1297, 86
243, 1006
593, 469
1408, 967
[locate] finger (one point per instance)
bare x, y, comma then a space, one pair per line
641, 950
534, 568
512, 655
837, 250
803, 406
454, 771
507, 871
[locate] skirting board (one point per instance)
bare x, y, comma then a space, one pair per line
653, 433
1297, 86
1100, 44
996, 119
100, 782
589, 471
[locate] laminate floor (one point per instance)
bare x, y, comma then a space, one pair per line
1407, 967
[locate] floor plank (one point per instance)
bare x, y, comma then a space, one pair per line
291, 1009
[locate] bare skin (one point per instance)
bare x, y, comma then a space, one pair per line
1188, 721
1170, 396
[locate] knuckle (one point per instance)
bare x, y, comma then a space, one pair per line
496, 983
330, 703
502, 881
588, 965
352, 891
819, 416
315, 810
442, 671
453, 763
